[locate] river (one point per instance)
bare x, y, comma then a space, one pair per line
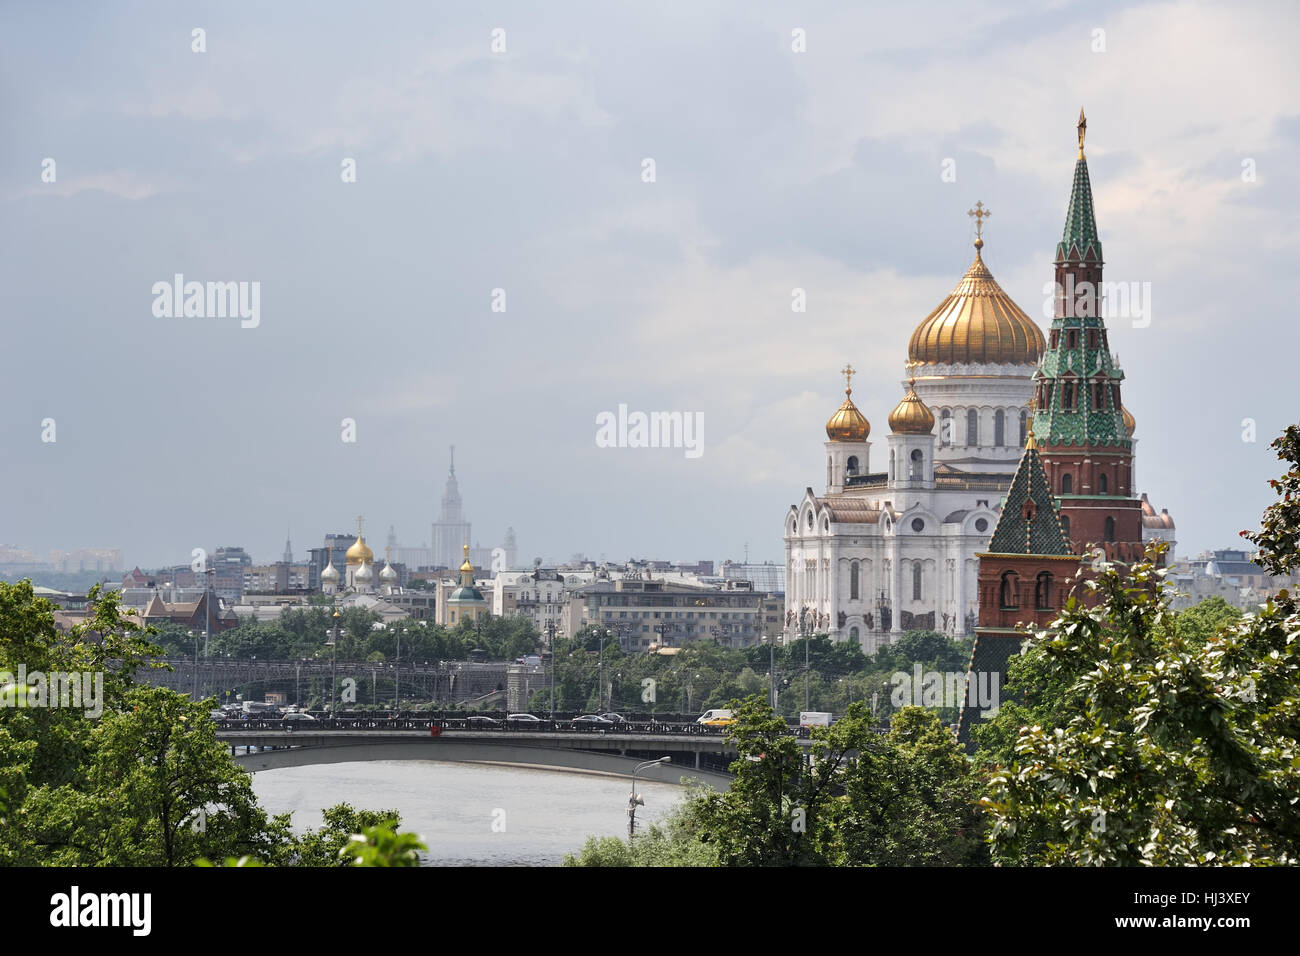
470, 814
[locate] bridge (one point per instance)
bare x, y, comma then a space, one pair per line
697, 752
447, 681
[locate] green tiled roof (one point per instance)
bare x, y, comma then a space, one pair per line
1080, 225
1040, 534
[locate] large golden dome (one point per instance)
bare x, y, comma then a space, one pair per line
910, 416
360, 552
1130, 423
977, 324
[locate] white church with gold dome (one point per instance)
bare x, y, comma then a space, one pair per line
888, 550
359, 575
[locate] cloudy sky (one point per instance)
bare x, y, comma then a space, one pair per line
522, 170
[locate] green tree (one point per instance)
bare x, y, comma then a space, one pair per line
1176, 750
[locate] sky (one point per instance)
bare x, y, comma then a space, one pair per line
504, 269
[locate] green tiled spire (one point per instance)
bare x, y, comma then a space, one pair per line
1039, 534
1079, 240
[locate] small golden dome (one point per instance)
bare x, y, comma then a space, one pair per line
1130, 422
976, 324
467, 566
910, 416
848, 424
360, 552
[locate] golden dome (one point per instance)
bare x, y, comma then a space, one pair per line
467, 566
977, 324
1130, 422
910, 416
848, 424
360, 552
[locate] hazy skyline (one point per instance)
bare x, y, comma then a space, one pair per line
522, 171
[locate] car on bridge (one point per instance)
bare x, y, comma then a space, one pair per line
592, 722
298, 715
481, 723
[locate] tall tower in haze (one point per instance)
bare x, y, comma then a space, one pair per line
451, 530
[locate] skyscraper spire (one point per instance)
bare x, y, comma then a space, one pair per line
453, 461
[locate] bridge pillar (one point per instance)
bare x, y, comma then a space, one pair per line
697, 760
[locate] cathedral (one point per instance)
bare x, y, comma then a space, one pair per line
887, 551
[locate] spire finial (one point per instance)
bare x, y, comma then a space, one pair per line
453, 461
980, 214
1031, 443
848, 372
1083, 129
359, 522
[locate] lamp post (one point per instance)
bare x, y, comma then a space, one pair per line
634, 800
550, 643
334, 653
397, 677
771, 669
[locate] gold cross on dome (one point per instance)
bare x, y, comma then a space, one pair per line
359, 520
980, 214
848, 372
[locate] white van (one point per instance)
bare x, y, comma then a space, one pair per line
716, 718
814, 718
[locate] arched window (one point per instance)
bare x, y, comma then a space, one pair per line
853, 581
1067, 484
851, 466
891, 464
1065, 525
1110, 528
1024, 426
945, 427
916, 582
999, 428
1101, 484
972, 427
915, 471
1067, 397
1043, 591
1009, 597
853, 636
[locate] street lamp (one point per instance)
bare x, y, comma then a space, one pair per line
334, 653
634, 800
771, 669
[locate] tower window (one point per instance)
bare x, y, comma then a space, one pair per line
1056, 338
1009, 596
1067, 484
1092, 338
999, 428
945, 427
1024, 426
972, 427
1043, 591
1065, 525
1072, 339
1068, 397
1110, 528
1101, 484
916, 582
851, 466
853, 581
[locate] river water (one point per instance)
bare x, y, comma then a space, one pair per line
470, 814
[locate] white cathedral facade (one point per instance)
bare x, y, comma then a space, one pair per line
885, 551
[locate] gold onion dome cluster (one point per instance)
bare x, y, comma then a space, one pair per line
910, 416
848, 424
976, 324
